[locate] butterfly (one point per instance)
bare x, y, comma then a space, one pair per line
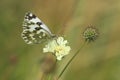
34, 30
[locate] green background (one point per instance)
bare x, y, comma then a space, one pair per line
99, 60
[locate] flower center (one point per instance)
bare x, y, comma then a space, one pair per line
58, 49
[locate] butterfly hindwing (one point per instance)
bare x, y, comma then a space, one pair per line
34, 30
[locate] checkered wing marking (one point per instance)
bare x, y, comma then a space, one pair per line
34, 30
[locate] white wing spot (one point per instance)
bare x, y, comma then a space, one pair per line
30, 14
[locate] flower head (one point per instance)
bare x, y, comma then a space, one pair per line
58, 47
90, 34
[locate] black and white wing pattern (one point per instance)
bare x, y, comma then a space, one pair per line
34, 30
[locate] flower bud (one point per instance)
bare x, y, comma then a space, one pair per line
90, 34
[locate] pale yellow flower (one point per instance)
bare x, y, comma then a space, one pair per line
58, 47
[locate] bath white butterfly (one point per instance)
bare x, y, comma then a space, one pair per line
34, 30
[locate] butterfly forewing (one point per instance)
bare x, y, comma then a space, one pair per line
34, 30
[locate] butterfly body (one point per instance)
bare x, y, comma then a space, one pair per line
34, 30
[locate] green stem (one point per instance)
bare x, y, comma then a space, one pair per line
71, 60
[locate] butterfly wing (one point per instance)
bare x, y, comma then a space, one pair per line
34, 30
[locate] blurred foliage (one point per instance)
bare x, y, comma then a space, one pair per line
99, 60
